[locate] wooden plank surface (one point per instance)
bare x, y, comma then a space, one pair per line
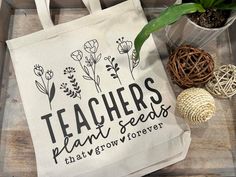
5, 13
233, 38
196, 176
213, 144
24, 4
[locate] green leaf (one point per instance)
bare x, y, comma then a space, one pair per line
231, 6
197, 1
207, 3
211, 3
203, 3
167, 17
216, 3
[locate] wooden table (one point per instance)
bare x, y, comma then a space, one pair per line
213, 148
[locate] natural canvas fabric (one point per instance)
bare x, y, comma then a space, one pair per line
91, 108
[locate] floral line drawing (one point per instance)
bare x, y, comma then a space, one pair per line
89, 69
135, 60
124, 47
69, 92
76, 92
113, 66
44, 87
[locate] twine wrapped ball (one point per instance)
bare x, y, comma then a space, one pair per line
189, 66
195, 105
223, 82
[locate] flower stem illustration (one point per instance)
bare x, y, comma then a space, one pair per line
48, 89
75, 91
134, 60
130, 66
91, 61
124, 47
113, 67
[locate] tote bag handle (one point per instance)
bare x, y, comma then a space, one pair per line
92, 5
43, 9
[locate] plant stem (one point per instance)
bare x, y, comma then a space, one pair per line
93, 79
47, 91
44, 85
48, 87
50, 104
131, 71
115, 71
49, 97
95, 83
94, 75
93, 67
119, 80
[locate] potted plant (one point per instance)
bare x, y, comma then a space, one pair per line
187, 29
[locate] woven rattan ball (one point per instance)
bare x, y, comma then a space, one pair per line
223, 82
195, 105
189, 66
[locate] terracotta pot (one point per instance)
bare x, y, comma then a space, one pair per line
184, 31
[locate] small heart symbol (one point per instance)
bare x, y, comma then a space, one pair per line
122, 139
90, 152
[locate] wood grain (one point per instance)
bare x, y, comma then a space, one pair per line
194, 176
213, 148
26, 4
5, 12
233, 38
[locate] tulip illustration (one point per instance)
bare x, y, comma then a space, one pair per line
41, 86
49, 75
38, 70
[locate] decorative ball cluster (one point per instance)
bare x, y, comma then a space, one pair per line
223, 83
195, 105
189, 66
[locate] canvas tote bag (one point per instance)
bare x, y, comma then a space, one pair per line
91, 109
